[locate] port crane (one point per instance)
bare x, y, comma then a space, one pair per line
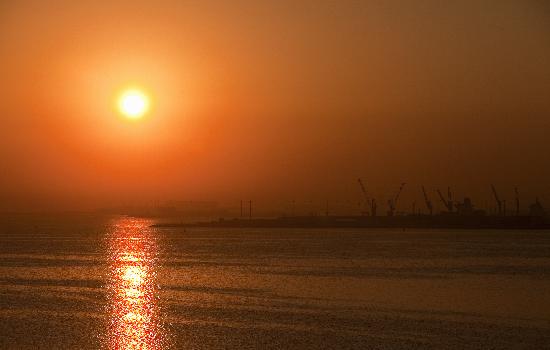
427, 200
364, 191
392, 202
368, 201
536, 209
497, 199
448, 203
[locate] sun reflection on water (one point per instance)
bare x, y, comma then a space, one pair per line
133, 306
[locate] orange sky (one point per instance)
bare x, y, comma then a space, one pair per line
271, 100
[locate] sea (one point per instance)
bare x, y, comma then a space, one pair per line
89, 281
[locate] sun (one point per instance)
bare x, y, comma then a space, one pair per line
133, 103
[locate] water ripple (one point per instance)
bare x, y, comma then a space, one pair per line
135, 320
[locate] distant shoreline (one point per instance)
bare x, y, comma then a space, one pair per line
408, 221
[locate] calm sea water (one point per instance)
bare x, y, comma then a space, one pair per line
78, 281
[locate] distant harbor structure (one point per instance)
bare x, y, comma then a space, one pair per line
456, 214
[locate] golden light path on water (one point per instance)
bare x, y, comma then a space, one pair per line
135, 321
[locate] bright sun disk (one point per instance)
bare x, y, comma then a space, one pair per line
133, 104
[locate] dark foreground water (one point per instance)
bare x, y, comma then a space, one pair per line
115, 283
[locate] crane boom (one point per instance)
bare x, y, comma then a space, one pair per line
497, 199
427, 200
364, 191
399, 193
447, 204
442, 198
392, 202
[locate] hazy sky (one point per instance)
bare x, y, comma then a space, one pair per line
271, 100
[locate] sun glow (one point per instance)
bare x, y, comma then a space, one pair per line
133, 103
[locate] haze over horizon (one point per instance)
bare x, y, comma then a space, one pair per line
272, 101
